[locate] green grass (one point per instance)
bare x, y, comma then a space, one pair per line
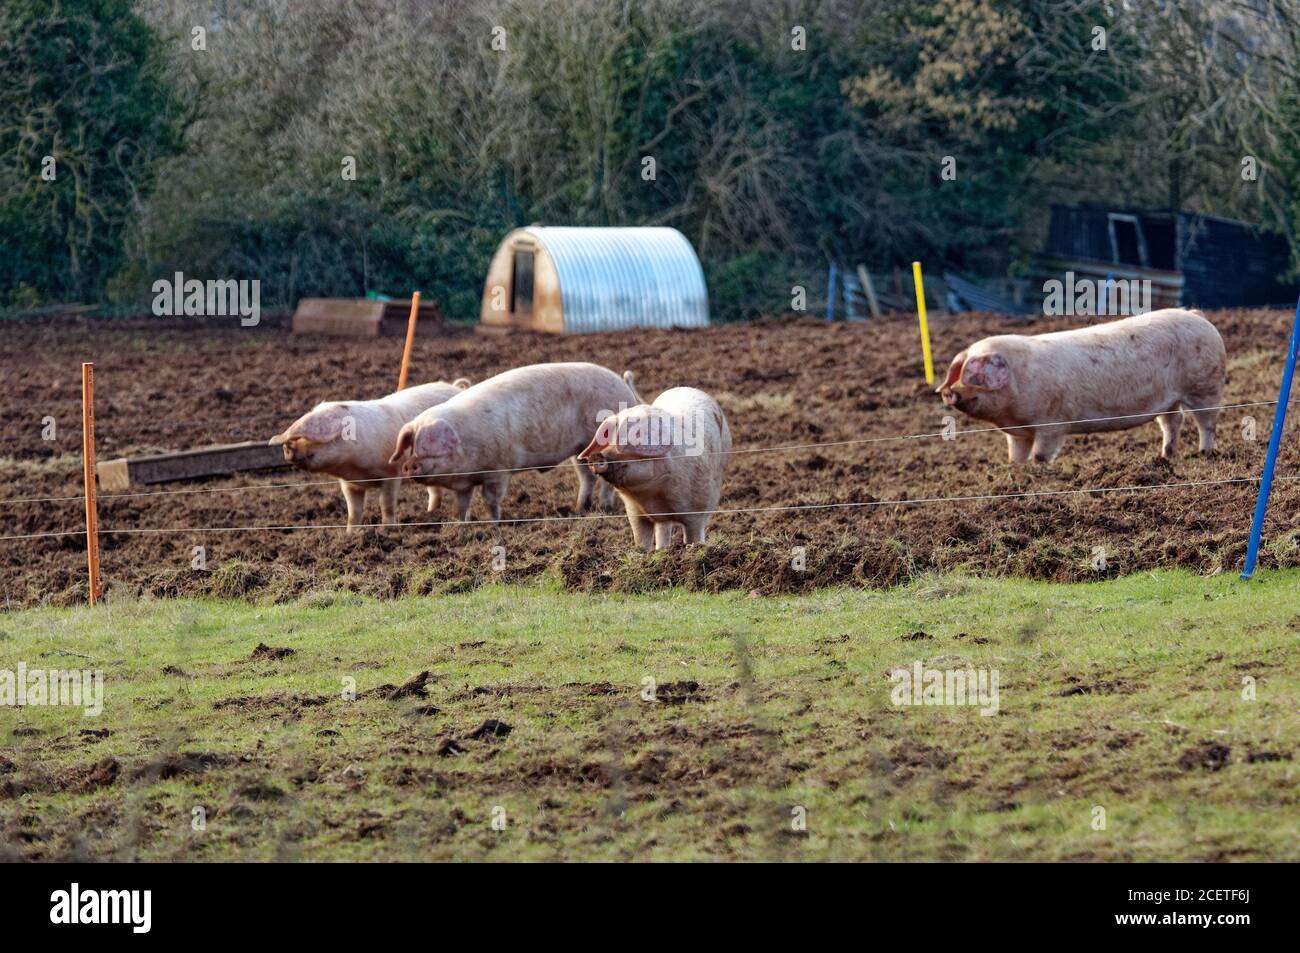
792, 711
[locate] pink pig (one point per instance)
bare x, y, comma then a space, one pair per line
528, 418
352, 440
1113, 376
666, 460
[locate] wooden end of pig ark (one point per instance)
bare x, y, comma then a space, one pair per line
359, 317
573, 280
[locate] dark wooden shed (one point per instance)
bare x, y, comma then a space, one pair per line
1194, 260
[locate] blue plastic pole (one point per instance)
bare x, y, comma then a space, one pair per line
830, 292
1274, 441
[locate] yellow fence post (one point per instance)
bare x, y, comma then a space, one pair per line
925, 328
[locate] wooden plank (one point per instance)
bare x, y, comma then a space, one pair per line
397, 313
361, 317
113, 474
864, 277
340, 317
502, 330
981, 299
191, 464
1166, 286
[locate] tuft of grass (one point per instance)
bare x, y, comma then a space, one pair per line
235, 579
400, 729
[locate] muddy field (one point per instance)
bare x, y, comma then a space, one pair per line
791, 389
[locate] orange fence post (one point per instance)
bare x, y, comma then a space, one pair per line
410, 341
88, 462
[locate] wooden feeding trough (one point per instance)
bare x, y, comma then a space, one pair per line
190, 464
574, 280
358, 317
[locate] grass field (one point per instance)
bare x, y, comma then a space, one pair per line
770, 715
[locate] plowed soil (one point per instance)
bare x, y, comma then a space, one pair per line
792, 389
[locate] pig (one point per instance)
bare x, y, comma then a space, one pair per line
352, 440
1040, 388
528, 418
666, 460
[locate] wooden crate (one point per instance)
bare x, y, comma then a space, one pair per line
190, 464
359, 317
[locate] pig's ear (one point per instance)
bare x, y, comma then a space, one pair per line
436, 440
604, 437
461, 382
954, 371
648, 434
986, 372
282, 438
319, 426
404, 440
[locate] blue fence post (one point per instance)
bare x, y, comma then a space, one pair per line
1274, 441
831, 280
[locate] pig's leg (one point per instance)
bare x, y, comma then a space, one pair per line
643, 531
435, 498
609, 497
494, 491
1170, 425
695, 528
355, 497
463, 499
664, 535
586, 484
1205, 422
388, 501
1047, 444
1019, 445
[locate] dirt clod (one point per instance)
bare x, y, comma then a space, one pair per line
675, 693
1116, 686
273, 700
911, 754
1256, 757
179, 764
101, 774
424, 711
449, 747
1208, 755
416, 687
259, 791
491, 728
264, 652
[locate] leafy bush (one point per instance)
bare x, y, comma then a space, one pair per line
85, 113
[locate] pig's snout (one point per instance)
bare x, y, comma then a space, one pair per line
955, 400
295, 455
594, 460
411, 467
